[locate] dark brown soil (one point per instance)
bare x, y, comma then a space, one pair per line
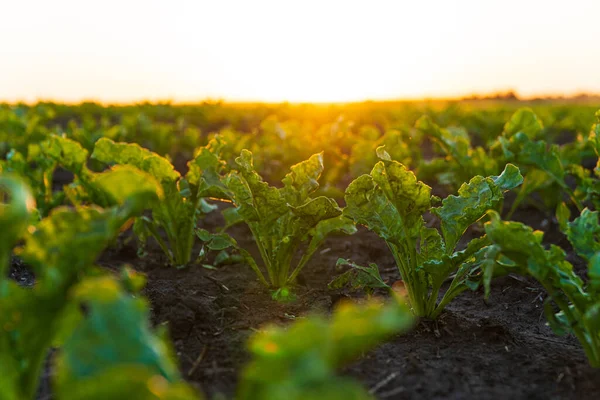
498, 349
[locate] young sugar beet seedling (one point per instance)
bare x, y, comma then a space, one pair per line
391, 202
300, 362
518, 248
112, 352
281, 219
88, 187
61, 250
541, 162
183, 203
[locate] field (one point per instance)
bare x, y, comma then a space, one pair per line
195, 250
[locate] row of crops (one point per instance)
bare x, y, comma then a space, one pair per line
76, 179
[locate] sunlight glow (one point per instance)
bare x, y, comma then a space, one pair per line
313, 51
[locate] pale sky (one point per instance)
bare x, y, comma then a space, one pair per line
129, 50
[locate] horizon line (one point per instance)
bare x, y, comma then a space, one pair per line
505, 95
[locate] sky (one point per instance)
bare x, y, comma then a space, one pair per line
298, 51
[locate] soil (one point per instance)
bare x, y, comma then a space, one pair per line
497, 349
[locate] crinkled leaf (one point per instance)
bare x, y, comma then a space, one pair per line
314, 211
474, 199
367, 205
410, 197
302, 180
390, 203
256, 200
358, 277
68, 153
111, 153
431, 245
204, 174
584, 234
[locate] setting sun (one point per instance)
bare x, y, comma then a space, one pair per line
309, 51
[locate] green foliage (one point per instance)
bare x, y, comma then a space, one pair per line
300, 362
60, 250
462, 161
517, 248
584, 234
183, 203
16, 205
282, 218
113, 353
391, 202
524, 121
398, 144
540, 161
358, 277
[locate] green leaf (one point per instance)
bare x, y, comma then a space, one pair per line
218, 241
204, 173
518, 242
474, 199
358, 277
69, 240
584, 234
14, 216
115, 336
302, 180
126, 184
128, 382
431, 245
390, 203
231, 216
579, 310
111, 153
68, 153
524, 121
256, 200
539, 155
456, 143
367, 205
314, 211
410, 197
594, 272
562, 215
509, 179
300, 362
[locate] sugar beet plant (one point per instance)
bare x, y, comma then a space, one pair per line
391, 202
572, 305
300, 362
281, 219
183, 203
61, 250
